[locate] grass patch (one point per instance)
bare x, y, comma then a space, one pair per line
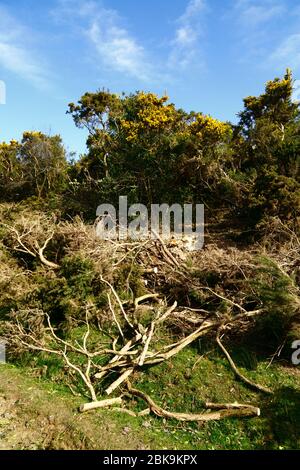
184, 384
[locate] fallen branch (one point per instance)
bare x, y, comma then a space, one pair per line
118, 300
43, 260
147, 344
244, 379
138, 300
119, 381
231, 406
166, 251
100, 404
114, 315
250, 411
37, 251
117, 361
140, 414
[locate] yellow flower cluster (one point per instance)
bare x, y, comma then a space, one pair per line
27, 135
131, 129
152, 114
274, 85
12, 145
210, 129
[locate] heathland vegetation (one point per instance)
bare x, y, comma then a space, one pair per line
192, 349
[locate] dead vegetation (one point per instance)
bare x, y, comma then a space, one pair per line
145, 288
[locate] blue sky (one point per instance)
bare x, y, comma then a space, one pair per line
206, 54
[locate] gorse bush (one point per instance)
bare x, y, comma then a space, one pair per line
142, 146
278, 296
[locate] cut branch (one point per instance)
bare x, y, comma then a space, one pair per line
100, 404
119, 381
42, 257
217, 415
118, 300
244, 379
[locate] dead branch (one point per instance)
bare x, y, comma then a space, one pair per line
246, 411
118, 300
115, 361
119, 381
138, 300
36, 251
125, 411
173, 349
100, 404
42, 257
114, 315
165, 250
244, 379
147, 343
231, 406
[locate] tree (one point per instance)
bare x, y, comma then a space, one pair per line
267, 146
44, 161
11, 173
36, 166
142, 146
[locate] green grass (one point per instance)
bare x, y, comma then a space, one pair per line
187, 381
180, 385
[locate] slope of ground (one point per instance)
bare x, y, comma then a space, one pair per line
38, 414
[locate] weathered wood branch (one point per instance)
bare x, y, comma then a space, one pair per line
43, 260
100, 404
246, 411
119, 381
240, 376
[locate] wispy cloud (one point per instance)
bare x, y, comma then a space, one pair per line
254, 13
113, 43
15, 53
260, 22
185, 42
287, 53
116, 47
257, 25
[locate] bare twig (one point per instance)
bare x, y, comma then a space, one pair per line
118, 300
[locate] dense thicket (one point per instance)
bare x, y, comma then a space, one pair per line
144, 147
61, 285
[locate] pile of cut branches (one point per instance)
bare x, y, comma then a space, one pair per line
130, 351
205, 294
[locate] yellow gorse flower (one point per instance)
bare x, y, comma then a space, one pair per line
209, 128
6, 146
32, 134
152, 113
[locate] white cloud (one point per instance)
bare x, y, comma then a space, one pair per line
73, 7
192, 9
256, 25
185, 42
14, 55
254, 13
256, 19
17, 60
288, 53
116, 47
